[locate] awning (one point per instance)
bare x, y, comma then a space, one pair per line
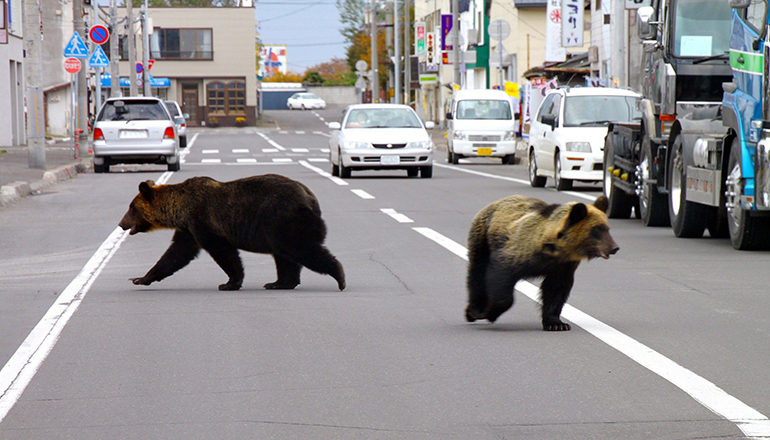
124, 81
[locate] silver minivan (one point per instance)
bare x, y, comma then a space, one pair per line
135, 130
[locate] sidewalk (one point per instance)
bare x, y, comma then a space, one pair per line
18, 180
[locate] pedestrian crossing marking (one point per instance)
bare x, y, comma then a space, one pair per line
269, 150
246, 160
211, 161
317, 159
98, 58
300, 150
237, 151
282, 159
210, 151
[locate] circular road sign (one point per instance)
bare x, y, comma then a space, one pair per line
99, 34
72, 65
499, 30
361, 65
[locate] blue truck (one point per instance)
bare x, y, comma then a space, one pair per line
699, 159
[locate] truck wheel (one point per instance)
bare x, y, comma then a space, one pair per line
560, 183
620, 203
534, 180
653, 206
688, 219
746, 232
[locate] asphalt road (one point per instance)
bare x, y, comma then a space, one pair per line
669, 337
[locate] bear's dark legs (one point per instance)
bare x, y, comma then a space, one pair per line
554, 293
478, 260
226, 256
183, 249
288, 274
318, 259
500, 284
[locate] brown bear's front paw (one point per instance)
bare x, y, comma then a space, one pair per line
278, 285
472, 315
230, 286
143, 281
556, 326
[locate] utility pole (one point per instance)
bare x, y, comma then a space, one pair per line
33, 67
456, 41
146, 52
81, 118
407, 55
131, 48
396, 61
114, 51
375, 78
98, 70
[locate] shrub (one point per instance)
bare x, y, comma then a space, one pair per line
213, 122
240, 121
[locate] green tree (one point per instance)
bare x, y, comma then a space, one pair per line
312, 78
352, 17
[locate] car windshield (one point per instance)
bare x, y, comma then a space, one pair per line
135, 110
483, 109
701, 28
600, 110
382, 118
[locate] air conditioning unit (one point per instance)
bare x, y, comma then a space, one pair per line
593, 54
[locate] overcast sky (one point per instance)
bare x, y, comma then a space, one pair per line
310, 29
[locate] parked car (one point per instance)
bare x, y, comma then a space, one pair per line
380, 137
134, 130
481, 123
180, 120
566, 137
305, 101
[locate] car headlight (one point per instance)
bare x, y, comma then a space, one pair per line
580, 147
460, 136
425, 145
350, 145
509, 135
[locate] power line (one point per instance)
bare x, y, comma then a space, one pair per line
309, 5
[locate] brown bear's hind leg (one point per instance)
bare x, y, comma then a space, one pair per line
288, 274
226, 256
554, 293
318, 259
478, 261
183, 249
500, 284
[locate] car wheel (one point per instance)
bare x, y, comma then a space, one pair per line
101, 168
335, 170
560, 183
534, 180
344, 171
182, 141
456, 158
412, 172
426, 172
303, 107
509, 159
174, 166
449, 155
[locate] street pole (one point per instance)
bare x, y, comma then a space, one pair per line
33, 68
407, 55
375, 79
133, 91
146, 52
396, 62
114, 51
456, 42
98, 97
81, 83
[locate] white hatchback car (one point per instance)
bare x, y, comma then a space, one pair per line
566, 137
305, 101
380, 137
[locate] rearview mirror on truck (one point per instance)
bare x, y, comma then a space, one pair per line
646, 28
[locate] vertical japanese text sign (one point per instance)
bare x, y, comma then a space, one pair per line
572, 23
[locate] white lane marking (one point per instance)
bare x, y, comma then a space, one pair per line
322, 133
317, 159
240, 150
281, 159
361, 193
223, 164
324, 150
270, 141
246, 160
269, 150
750, 421
186, 151
211, 160
26, 361
283, 132
300, 132
401, 218
509, 179
210, 151
300, 150
336, 180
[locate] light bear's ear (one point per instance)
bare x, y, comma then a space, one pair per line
602, 204
147, 191
576, 215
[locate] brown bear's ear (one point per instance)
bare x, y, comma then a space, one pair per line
602, 203
576, 214
146, 190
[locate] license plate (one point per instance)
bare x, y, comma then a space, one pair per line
133, 134
484, 151
390, 160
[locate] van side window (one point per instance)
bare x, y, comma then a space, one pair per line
545, 107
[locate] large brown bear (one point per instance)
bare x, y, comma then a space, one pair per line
268, 214
520, 237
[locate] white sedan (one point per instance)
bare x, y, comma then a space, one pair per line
305, 101
381, 137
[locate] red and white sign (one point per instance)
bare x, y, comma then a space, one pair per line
149, 64
72, 65
99, 34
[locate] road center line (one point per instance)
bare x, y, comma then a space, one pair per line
336, 180
270, 141
401, 218
363, 194
750, 421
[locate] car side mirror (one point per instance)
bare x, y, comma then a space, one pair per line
646, 28
449, 115
430, 125
186, 115
549, 120
334, 125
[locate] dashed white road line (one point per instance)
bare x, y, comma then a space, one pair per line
334, 179
401, 218
361, 193
270, 141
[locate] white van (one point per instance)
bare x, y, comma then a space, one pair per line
481, 124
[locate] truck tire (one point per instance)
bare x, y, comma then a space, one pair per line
746, 232
620, 203
653, 206
688, 219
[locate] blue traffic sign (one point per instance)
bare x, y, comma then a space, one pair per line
76, 48
99, 34
98, 58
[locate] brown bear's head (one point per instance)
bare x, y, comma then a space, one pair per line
586, 233
140, 216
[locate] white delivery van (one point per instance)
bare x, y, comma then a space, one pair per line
481, 124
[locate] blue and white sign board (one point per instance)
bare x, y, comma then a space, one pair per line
98, 58
76, 48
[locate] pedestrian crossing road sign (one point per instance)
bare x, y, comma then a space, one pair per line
76, 48
98, 58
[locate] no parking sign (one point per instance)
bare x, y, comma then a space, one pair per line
99, 34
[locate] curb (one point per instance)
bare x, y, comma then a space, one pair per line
13, 192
